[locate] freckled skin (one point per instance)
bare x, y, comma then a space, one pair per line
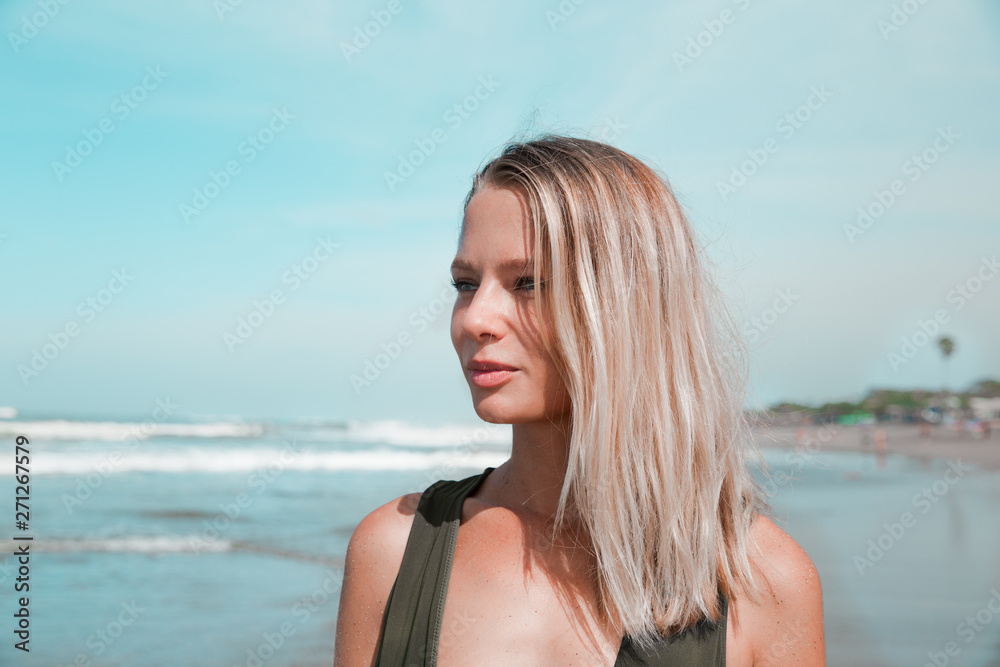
514, 597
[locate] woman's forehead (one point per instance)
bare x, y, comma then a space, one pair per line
495, 225
493, 202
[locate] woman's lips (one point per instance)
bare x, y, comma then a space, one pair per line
491, 378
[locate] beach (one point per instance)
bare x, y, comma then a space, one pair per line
907, 543
943, 442
223, 544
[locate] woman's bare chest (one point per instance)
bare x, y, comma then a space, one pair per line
515, 598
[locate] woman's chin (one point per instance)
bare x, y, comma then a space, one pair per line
492, 415
494, 411
511, 415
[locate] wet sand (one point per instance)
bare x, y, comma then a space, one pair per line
896, 591
943, 442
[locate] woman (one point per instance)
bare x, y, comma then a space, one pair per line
626, 528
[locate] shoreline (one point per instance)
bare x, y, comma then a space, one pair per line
943, 442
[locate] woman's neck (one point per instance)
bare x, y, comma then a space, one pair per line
531, 481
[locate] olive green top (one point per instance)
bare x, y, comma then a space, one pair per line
411, 625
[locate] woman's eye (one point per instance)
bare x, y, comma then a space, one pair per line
527, 284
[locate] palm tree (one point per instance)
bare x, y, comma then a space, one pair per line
947, 347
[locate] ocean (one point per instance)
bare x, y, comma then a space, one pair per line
222, 543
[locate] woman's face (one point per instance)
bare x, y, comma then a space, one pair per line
494, 321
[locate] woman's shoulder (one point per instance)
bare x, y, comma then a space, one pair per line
785, 625
374, 555
783, 558
379, 539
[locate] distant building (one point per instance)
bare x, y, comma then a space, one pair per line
985, 409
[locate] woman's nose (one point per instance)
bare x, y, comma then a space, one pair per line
485, 313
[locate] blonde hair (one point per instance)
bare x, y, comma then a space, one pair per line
657, 468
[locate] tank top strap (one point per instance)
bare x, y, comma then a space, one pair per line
411, 624
701, 645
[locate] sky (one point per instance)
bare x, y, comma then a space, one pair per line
172, 169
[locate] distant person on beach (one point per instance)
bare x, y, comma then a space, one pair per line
626, 528
866, 435
880, 446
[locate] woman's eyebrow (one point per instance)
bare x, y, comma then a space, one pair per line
523, 266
